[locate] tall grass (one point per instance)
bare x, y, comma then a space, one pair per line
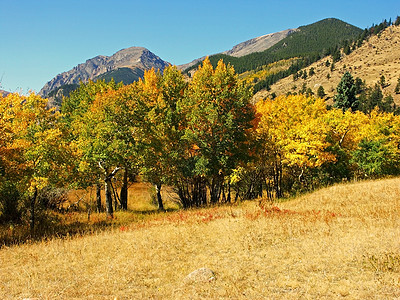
342, 241
81, 218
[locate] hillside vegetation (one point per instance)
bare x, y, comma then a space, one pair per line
309, 42
204, 138
337, 242
377, 57
124, 75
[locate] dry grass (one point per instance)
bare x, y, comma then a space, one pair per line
341, 241
378, 56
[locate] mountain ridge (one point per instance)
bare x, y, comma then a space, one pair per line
4, 93
257, 44
127, 65
132, 57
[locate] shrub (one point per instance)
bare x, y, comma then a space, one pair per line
9, 203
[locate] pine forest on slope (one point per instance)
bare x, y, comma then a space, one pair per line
374, 60
309, 41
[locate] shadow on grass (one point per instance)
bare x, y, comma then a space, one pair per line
54, 225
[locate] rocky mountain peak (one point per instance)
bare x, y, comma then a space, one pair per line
4, 93
259, 44
133, 57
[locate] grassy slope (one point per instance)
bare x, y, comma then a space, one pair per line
336, 242
378, 56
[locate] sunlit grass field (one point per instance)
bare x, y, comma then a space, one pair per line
338, 242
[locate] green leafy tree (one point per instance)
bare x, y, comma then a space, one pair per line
164, 122
219, 122
372, 158
89, 129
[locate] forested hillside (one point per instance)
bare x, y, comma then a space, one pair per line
308, 42
374, 63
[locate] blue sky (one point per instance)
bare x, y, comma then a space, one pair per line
42, 38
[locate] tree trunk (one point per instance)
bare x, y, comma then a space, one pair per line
32, 211
159, 198
124, 191
107, 188
229, 193
98, 198
115, 197
109, 203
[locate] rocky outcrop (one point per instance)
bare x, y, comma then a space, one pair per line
4, 93
134, 57
259, 44
201, 275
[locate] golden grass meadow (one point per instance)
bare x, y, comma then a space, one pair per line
338, 242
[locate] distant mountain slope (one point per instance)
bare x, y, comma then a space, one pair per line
308, 41
137, 59
4, 93
257, 44
378, 56
124, 75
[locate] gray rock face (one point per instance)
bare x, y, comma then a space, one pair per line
3, 93
258, 44
134, 57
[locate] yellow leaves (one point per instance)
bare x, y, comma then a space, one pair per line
30, 138
294, 126
37, 183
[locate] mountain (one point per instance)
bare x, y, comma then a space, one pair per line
310, 42
378, 56
127, 63
257, 44
4, 93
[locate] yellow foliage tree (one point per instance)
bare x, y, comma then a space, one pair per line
293, 131
33, 151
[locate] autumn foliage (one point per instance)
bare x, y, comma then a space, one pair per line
204, 137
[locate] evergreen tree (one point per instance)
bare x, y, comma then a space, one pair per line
346, 50
373, 97
397, 89
327, 63
360, 85
382, 82
397, 21
321, 92
346, 93
309, 92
